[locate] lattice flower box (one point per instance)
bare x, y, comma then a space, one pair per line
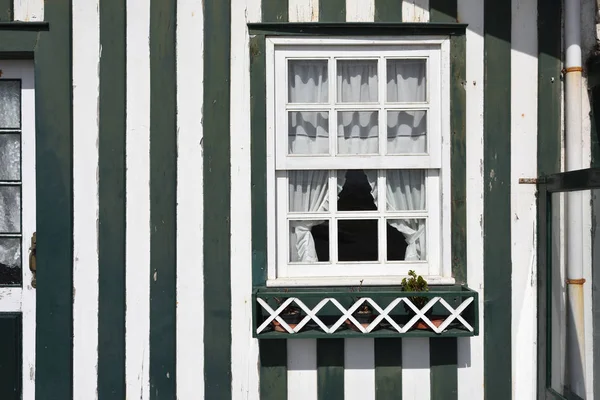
450, 311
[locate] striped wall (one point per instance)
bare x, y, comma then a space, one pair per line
161, 252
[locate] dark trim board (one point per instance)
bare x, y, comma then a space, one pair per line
163, 199
356, 28
217, 200
111, 202
496, 210
54, 170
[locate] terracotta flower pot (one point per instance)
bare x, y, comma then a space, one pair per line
291, 317
363, 317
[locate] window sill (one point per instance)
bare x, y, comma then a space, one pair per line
432, 280
331, 312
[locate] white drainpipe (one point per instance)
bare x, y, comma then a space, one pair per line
574, 209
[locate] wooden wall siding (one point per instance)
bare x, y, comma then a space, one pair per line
86, 87
470, 350
523, 150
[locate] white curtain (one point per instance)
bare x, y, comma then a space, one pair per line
308, 130
358, 131
405, 191
308, 193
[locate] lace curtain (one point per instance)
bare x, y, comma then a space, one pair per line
357, 133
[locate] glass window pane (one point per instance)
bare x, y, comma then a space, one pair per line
357, 190
10, 209
10, 157
358, 240
406, 132
309, 241
308, 191
10, 261
307, 80
406, 81
405, 190
357, 81
10, 104
406, 240
308, 132
358, 132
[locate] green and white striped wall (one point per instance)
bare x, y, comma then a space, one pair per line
145, 276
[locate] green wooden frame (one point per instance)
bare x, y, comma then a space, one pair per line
581, 180
50, 50
258, 33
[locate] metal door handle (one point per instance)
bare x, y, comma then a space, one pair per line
32, 260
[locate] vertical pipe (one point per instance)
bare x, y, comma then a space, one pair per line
574, 217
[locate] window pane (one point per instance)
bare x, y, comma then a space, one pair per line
308, 132
10, 104
406, 81
357, 190
409, 244
358, 132
10, 209
357, 81
357, 240
10, 261
308, 191
308, 81
10, 157
406, 132
405, 190
309, 241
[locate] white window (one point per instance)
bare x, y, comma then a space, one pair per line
357, 160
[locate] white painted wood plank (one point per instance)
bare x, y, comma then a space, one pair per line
28, 204
28, 10
360, 10
137, 340
11, 299
303, 10
415, 369
190, 219
359, 369
415, 11
470, 350
244, 348
302, 369
523, 201
86, 57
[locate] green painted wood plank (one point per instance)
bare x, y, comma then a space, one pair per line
548, 153
443, 359
388, 369
443, 11
258, 149
54, 208
163, 199
217, 200
6, 10
11, 365
458, 157
388, 10
330, 369
275, 10
549, 86
497, 216
111, 199
332, 11
273, 369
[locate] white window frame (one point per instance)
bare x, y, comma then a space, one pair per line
437, 269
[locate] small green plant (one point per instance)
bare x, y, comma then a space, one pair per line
415, 283
364, 307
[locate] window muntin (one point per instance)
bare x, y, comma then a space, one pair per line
374, 111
